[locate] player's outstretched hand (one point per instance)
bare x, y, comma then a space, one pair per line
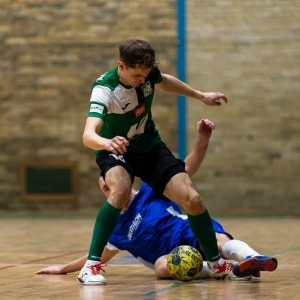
51, 270
214, 98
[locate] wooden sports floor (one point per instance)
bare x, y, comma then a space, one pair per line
32, 242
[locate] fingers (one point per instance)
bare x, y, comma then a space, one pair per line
50, 270
205, 124
220, 97
118, 145
224, 98
209, 123
42, 272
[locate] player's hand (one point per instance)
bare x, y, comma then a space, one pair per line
117, 145
51, 270
205, 128
213, 98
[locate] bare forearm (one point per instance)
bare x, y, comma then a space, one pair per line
94, 141
175, 86
74, 265
108, 254
194, 160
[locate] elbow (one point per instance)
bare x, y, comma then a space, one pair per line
85, 139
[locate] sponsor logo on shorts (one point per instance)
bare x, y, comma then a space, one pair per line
96, 108
118, 157
139, 110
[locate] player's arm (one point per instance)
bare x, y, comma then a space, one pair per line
175, 86
108, 254
72, 266
77, 264
195, 158
91, 139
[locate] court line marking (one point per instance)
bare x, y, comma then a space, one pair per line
281, 266
173, 286
6, 266
31, 263
114, 262
41, 259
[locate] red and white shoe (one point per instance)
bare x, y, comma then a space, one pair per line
90, 274
221, 270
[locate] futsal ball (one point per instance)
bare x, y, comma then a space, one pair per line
185, 263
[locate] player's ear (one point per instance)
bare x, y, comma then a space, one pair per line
121, 65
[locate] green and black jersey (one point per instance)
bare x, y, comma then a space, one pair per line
125, 110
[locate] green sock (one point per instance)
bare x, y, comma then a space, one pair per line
202, 228
105, 224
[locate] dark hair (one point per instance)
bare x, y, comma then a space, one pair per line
137, 54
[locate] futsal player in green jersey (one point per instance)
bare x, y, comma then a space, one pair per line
120, 129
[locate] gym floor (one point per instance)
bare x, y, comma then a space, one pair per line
29, 243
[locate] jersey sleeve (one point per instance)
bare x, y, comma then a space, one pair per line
114, 240
99, 102
159, 78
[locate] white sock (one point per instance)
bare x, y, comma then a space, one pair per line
237, 250
204, 273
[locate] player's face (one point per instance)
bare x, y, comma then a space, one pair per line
132, 77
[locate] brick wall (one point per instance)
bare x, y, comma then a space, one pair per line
50, 54
250, 51
52, 51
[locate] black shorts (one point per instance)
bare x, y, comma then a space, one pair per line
155, 167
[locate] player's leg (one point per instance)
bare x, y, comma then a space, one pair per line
180, 190
160, 267
250, 261
161, 270
119, 183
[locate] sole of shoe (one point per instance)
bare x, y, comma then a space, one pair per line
237, 278
255, 264
79, 279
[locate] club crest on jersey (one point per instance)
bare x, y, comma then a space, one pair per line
139, 110
147, 89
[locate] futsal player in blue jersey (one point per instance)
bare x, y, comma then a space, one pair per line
152, 225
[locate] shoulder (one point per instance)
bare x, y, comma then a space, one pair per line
103, 88
109, 80
155, 75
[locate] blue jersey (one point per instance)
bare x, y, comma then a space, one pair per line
153, 226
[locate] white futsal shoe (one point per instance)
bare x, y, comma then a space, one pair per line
221, 270
90, 274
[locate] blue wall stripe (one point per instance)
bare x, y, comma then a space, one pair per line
181, 74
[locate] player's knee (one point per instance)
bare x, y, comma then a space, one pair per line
160, 268
194, 205
120, 196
